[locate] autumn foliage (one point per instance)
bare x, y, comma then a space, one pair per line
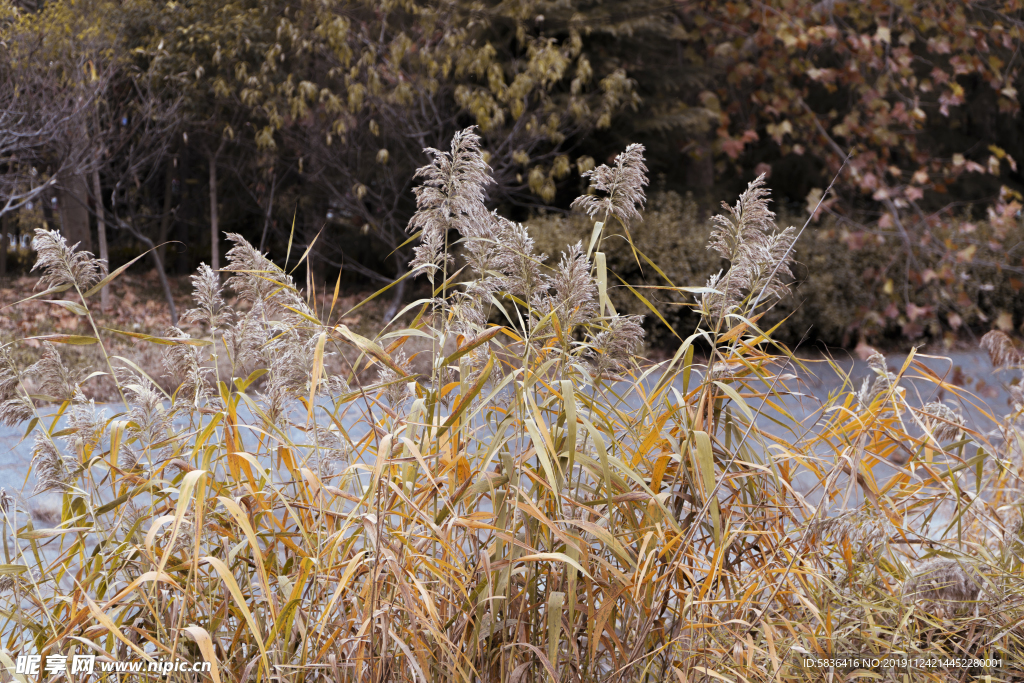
314, 114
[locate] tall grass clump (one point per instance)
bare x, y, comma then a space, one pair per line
502, 489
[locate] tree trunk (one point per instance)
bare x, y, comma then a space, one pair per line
165, 284
270, 207
399, 296
165, 219
159, 265
214, 227
185, 216
47, 199
5, 230
101, 232
74, 212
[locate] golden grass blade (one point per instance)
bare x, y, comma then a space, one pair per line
556, 601
188, 484
112, 628
108, 279
68, 305
465, 400
74, 339
594, 237
334, 299
308, 248
205, 643
369, 347
52, 290
650, 306
291, 237
164, 341
241, 605
706, 467
318, 368
12, 669
541, 449
601, 266
569, 401
472, 344
243, 522
377, 294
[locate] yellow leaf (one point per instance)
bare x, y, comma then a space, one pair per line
318, 368
236, 593
205, 643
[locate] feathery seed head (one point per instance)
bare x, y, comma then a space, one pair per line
517, 259
331, 450
943, 422
9, 373
128, 457
883, 380
398, 392
259, 280
622, 185
87, 423
712, 302
574, 287
747, 223
746, 235
134, 515
62, 264
185, 368
276, 401
1001, 351
866, 533
248, 341
451, 196
56, 380
338, 386
1017, 397
14, 408
14, 411
210, 308
292, 362
53, 471
614, 348
256, 274
944, 583
876, 362
147, 417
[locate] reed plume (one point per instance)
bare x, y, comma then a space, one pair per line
621, 184
746, 236
942, 421
65, 265
949, 584
1001, 350
451, 197
210, 309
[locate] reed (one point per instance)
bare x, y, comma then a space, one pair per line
537, 504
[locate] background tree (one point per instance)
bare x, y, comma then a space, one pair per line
349, 94
45, 103
314, 115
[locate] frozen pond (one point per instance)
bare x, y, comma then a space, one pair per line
970, 370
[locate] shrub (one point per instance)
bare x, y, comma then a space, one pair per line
850, 282
537, 505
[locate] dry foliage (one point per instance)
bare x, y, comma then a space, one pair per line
536, 505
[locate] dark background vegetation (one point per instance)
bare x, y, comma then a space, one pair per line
123, 123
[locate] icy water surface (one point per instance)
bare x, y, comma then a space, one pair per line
970, 370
